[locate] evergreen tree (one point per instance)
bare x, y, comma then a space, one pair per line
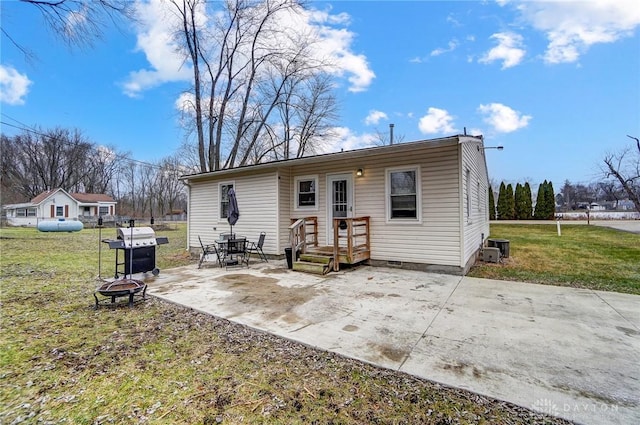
511, 204
519, 202
541, 210
528, 202
492, 205
550, 202
502, 202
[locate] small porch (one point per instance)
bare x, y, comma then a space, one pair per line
351, 244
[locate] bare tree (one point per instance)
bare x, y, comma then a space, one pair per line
171, 191
245, 68
36, 161
77, 22
383, 138
624, 168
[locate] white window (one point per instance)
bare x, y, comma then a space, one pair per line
31, 212
224, 199
21, 212
103, 210
306, 193
59, 211
403, 194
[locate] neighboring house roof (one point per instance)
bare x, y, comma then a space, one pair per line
80, 198
91, 197
14, 206
343, 155
87, 198
44, 195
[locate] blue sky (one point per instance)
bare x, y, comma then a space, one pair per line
556, 83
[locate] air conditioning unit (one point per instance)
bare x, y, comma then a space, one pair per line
491, 255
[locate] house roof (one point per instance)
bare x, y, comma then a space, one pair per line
80, 197
355, 153
91, 197
44, 195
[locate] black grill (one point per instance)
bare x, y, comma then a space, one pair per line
135, 250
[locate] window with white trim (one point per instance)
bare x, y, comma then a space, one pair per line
224, 199
103, 210
21, 212
59, 211
31, 212
306, 192
403, 194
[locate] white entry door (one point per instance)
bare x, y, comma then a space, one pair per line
339, 200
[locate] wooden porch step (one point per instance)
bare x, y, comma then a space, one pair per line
315, 258
311, 267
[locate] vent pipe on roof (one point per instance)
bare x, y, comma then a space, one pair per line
391, 134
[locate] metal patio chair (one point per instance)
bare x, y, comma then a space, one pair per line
207, 250
236, 253
257, 248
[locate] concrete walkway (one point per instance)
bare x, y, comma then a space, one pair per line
570, 352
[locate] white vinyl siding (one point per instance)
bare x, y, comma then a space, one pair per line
476, 188
285, 199
256, 197
434, 240
440, 235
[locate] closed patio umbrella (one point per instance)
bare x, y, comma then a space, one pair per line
234, 212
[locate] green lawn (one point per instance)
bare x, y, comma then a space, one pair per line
61, 361
583, 257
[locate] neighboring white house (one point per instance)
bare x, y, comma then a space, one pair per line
58, 204
426, 201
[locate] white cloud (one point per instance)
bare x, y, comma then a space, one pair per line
509, 50
155, 39
374, 117
436, 121
345, 139
572, 27
502, 118
13, 86
451, 46
335, 44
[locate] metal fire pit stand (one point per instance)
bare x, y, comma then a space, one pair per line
131, 288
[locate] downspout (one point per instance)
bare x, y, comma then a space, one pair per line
278, 223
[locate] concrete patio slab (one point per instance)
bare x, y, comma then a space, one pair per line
569, 352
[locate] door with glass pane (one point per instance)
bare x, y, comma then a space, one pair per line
339, 200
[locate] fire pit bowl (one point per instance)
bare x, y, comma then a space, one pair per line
121, 288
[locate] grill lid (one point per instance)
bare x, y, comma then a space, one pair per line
135, 237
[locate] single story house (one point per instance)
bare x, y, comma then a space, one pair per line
421, 205
57, 204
